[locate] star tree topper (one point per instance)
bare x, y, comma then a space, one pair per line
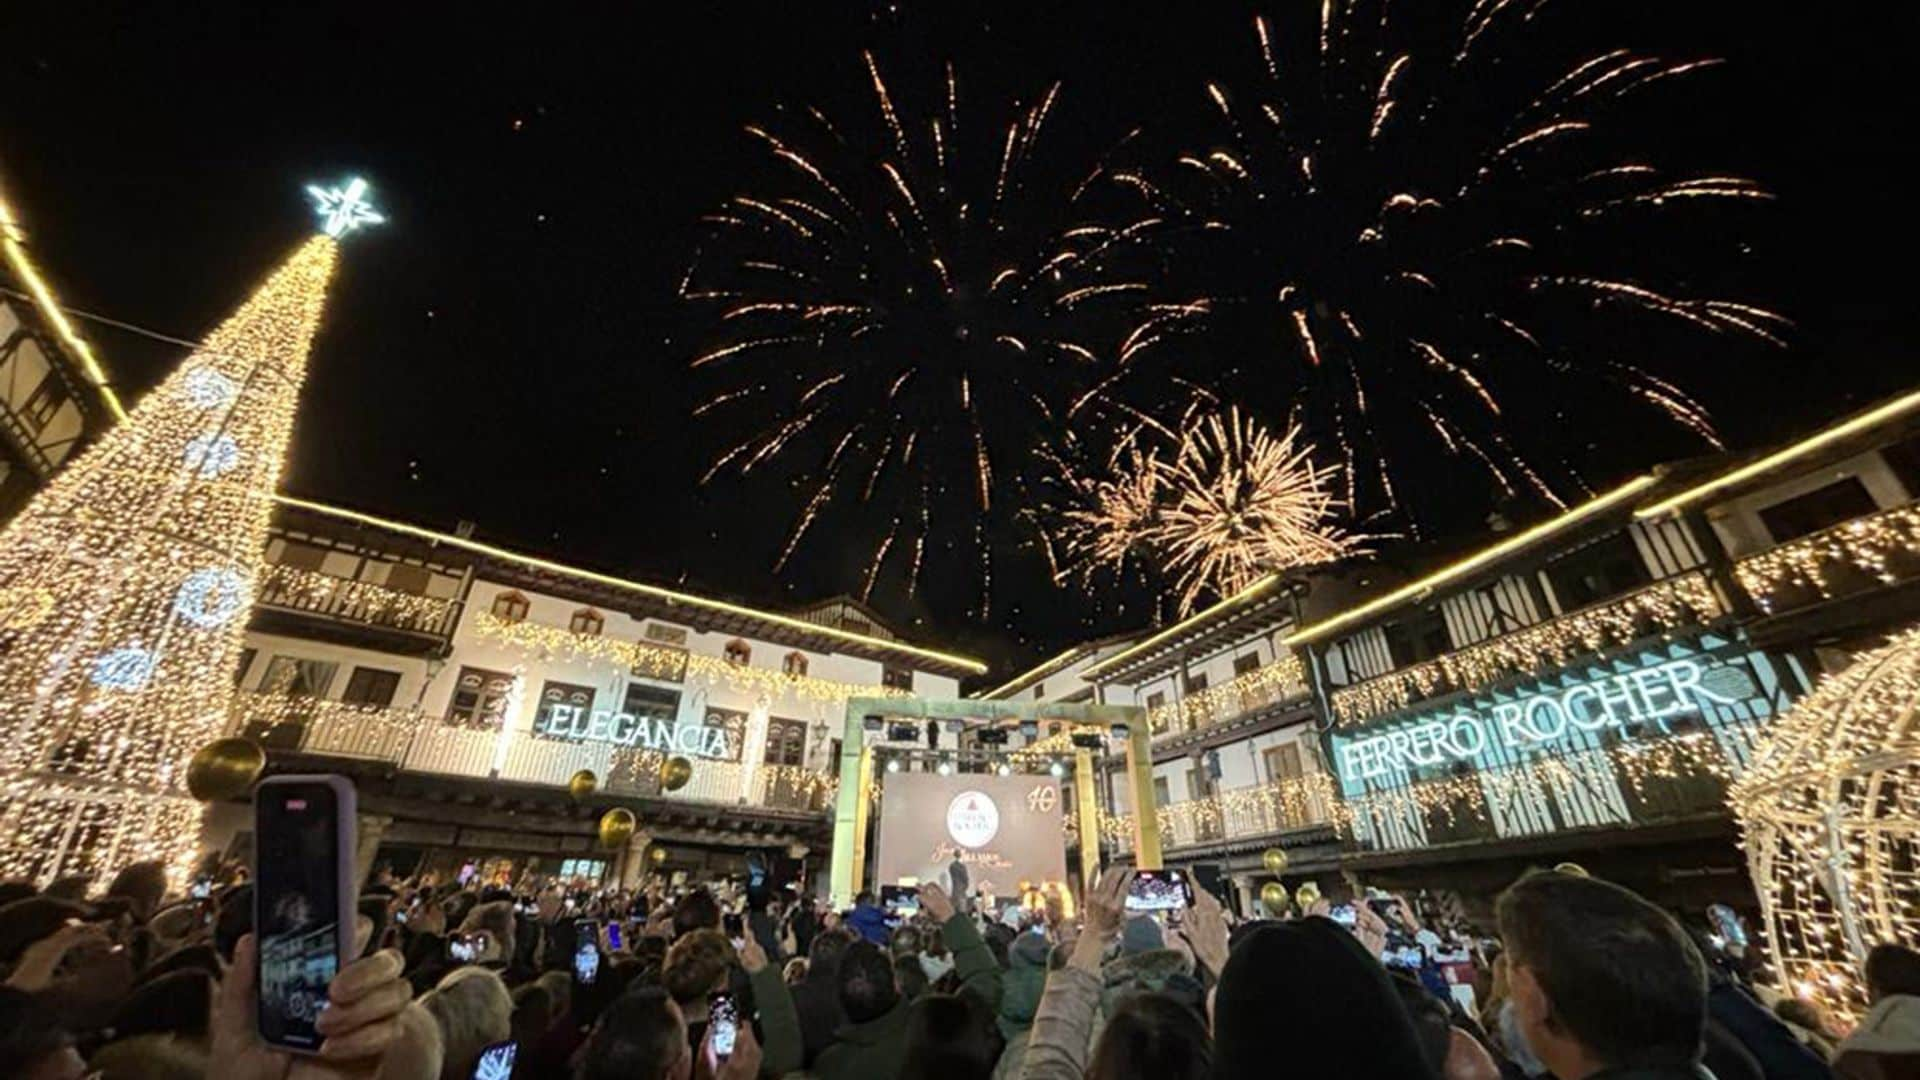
344, 209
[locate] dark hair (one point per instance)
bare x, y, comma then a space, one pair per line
905, 940
695, 965
948, 1039
825, 953
1151, 1034
374, 907
29, 1031
1431, 1022
532, 1013
865, 896
1623, 979
16, 890
695, 911
866, 982
639, 1037
176, 1003
24, 922
909, 977
1892, 969
144, 883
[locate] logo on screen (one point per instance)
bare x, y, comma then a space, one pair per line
972, 819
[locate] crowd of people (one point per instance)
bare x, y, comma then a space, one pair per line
1580, 979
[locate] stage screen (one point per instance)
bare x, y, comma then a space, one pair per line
1003, 829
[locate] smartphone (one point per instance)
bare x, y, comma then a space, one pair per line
723, 1019
900, 899
201, 888
496, 1061
466, 948
587, 930
613, 937
1344, 915
303, 903
1159, 890
586, 962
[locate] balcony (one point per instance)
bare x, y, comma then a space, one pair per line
1673, 603
1282, 680
406, 739
1630, 784
1852, 557
1244, 814
350, 602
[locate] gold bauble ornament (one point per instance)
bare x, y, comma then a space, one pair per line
1306, 896
616, 827
1273, 896
225, 769
583, 784
1275, 861
674, 773
1573, 868
658, 855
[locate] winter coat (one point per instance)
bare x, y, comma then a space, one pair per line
869, 922
876, 1049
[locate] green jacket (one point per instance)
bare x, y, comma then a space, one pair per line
876, 1049
779, 1022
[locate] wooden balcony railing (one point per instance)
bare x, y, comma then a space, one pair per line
292, 588
1281, 680
407, 739
1281, 806
1878, 549
1670, 604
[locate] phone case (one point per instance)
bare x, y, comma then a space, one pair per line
347, 829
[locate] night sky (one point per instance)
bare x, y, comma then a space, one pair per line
510, 349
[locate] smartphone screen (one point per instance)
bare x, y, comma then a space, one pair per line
613, 937
1343, 914
496, 1061
297, 905
1159, 890
201, 888
464, 948
900, 899
586, 962
722, 1019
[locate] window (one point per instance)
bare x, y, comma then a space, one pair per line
1496, 606
297, 677
1842, 500
587, 621
480, 698
42, 403
794, 664
406, 578
1597, 572
510, 606
552, 693
1196, 681
1196, 782
1419, 636
739, 652
896, 677
1039, 691
1162, 796
246, 661
1156, 699
786, 742
662, 634
1245, 663
1283, 762
651, 702
301, 556
371, 687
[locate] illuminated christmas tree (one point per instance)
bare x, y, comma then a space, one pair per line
125, 587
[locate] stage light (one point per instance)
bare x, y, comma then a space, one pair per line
1057, 770
1004, 769
1087, 740
945, 768
1029, 730
894, 765
992, 736
1120, 731
872, 722
902, 732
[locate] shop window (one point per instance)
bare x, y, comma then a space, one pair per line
1245, 663
897, 678
1600, 571
510, 606
480, 698
739, 652
1419, 636
794, 664
371, 687
1842, 500
587, 621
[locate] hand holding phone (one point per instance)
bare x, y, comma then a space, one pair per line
303, 903
723, 1019
1159, 890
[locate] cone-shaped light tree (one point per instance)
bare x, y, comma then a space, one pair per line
125, 586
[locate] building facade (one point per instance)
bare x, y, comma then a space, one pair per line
1580, 690
463, 686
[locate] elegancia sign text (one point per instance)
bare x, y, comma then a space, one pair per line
1649, 694
625, 729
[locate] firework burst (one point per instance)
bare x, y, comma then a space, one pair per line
907, 300
1408, 257
1226, 503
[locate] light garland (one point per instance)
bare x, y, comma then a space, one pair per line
124, 579
1291, 803
665, 664
1873, 545
1677, 602
1831, 816
1283, 678
310, 590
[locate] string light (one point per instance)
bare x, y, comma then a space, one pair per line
1870, 545
1282, 679
1682, 601
1830, 812
310, 590
1289, 803
134, 561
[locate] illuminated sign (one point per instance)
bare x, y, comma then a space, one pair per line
625, 729
1538, 719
